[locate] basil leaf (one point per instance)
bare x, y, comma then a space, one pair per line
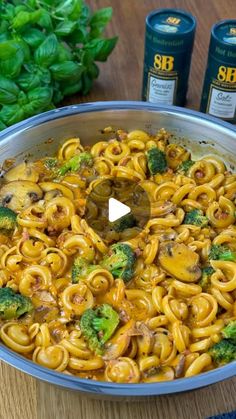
39, 99
4, 37
69, 8
2, 126
99, 20
67, 70
86, 58
11, 67
87, 83
85, 15
93, 71
23, 18
7, 50
24, 48
65, 28
57, 93
79, 36
11, 114
22, 99
45, 75
72, 89
20, 8
63, 54
7, 11
46, 53
33, 37
45, 20
77, 9
28, 81
101, 48
4, 26
8, 91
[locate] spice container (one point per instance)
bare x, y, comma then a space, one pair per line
168, 49
219, 89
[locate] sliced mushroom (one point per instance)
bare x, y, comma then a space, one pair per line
145, 339
23, 171
180, 261
20, 194
119, 343
53, 186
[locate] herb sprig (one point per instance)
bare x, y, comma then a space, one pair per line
48, 50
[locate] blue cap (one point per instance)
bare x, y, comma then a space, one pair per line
223, 41
171, 24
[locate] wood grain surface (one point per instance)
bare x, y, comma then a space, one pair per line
121, 79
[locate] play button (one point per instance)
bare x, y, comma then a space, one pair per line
117, 209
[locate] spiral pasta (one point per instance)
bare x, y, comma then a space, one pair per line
169, 314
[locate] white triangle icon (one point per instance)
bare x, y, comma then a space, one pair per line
116, 209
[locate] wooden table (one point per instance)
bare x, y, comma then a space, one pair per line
121, 78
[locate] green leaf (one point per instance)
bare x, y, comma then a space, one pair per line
8, 91
25, 48
7, 50
79, 36
46, 53
72, 89
28, 81
100, 49
66, 71
65, 28
93, 71
87, 58
22, 99
45, 75
77, 10
85, 15
57, 93
20, 7
8, 11
2, 126
99, 20
4, 25
45, 20
23, 18
70, 8
87, 83
39, 99
11, 114
63, 54
33, 37
11, 66
4, 37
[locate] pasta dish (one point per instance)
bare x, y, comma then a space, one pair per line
111, 301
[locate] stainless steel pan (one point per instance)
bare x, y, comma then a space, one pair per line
40, 136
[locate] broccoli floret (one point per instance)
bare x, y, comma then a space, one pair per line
223, 352
229, 331
98, 326
206, 277
220, 252
76, 163
80, 269
121, 261
7, 220
185, 166
12, 304
156, 160
127, 221
196, 218
105, 322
